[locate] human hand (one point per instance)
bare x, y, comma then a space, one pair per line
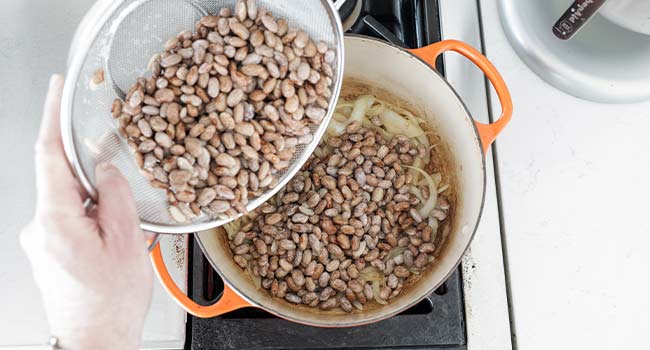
92, 268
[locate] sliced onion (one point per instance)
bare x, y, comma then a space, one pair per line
433, 223
385, 134
326, 150
361, 106
257, 280
399, 125
359, 251
402, 111
371, 274
318, 152
375, 292
376, 109
394, 252
409, 116
336, 128
343, 104
417, 163
415, 121
232, 228
437, 178
339, 117
368, 124
417, 193
443, 188
406, 114
428, 206
424, 140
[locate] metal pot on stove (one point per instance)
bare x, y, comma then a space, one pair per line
410, 77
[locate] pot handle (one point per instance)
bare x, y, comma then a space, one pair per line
487, 132
229, 300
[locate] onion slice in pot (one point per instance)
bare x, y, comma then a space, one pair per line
371, 274
430, 204
399, 125
375, 292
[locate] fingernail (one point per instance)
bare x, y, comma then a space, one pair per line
105, 171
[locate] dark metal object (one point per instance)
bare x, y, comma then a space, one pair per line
407, 23
414, 23
575, 18
346, 8
437, 322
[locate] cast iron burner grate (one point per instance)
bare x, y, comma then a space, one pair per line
437, 322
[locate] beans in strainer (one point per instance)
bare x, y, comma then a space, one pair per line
225, 109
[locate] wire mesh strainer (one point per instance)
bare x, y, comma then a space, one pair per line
120, 37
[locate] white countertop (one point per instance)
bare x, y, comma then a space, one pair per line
484, 283
575, 181
34, 43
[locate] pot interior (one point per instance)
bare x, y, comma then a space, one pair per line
396, 75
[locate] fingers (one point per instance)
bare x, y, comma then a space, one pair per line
32, 242
58, 190
116, 212
28, 240
49, 134
150, 236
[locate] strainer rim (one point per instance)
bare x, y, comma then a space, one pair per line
76, 62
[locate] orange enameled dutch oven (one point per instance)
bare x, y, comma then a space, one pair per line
410, 77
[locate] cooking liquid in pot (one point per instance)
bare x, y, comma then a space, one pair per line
334, 237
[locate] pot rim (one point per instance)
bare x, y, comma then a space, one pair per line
396, 310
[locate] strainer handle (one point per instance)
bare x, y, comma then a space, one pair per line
154, 241
229, 300
487, 132
89, 204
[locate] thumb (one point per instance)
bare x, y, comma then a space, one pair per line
116, 212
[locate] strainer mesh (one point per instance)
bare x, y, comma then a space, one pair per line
128, 38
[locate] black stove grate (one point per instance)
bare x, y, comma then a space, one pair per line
437, 322
407, 23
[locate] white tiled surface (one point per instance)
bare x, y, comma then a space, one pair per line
575, 185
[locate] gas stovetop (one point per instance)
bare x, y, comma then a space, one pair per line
437, 322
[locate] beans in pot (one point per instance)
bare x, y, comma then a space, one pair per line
359, 240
